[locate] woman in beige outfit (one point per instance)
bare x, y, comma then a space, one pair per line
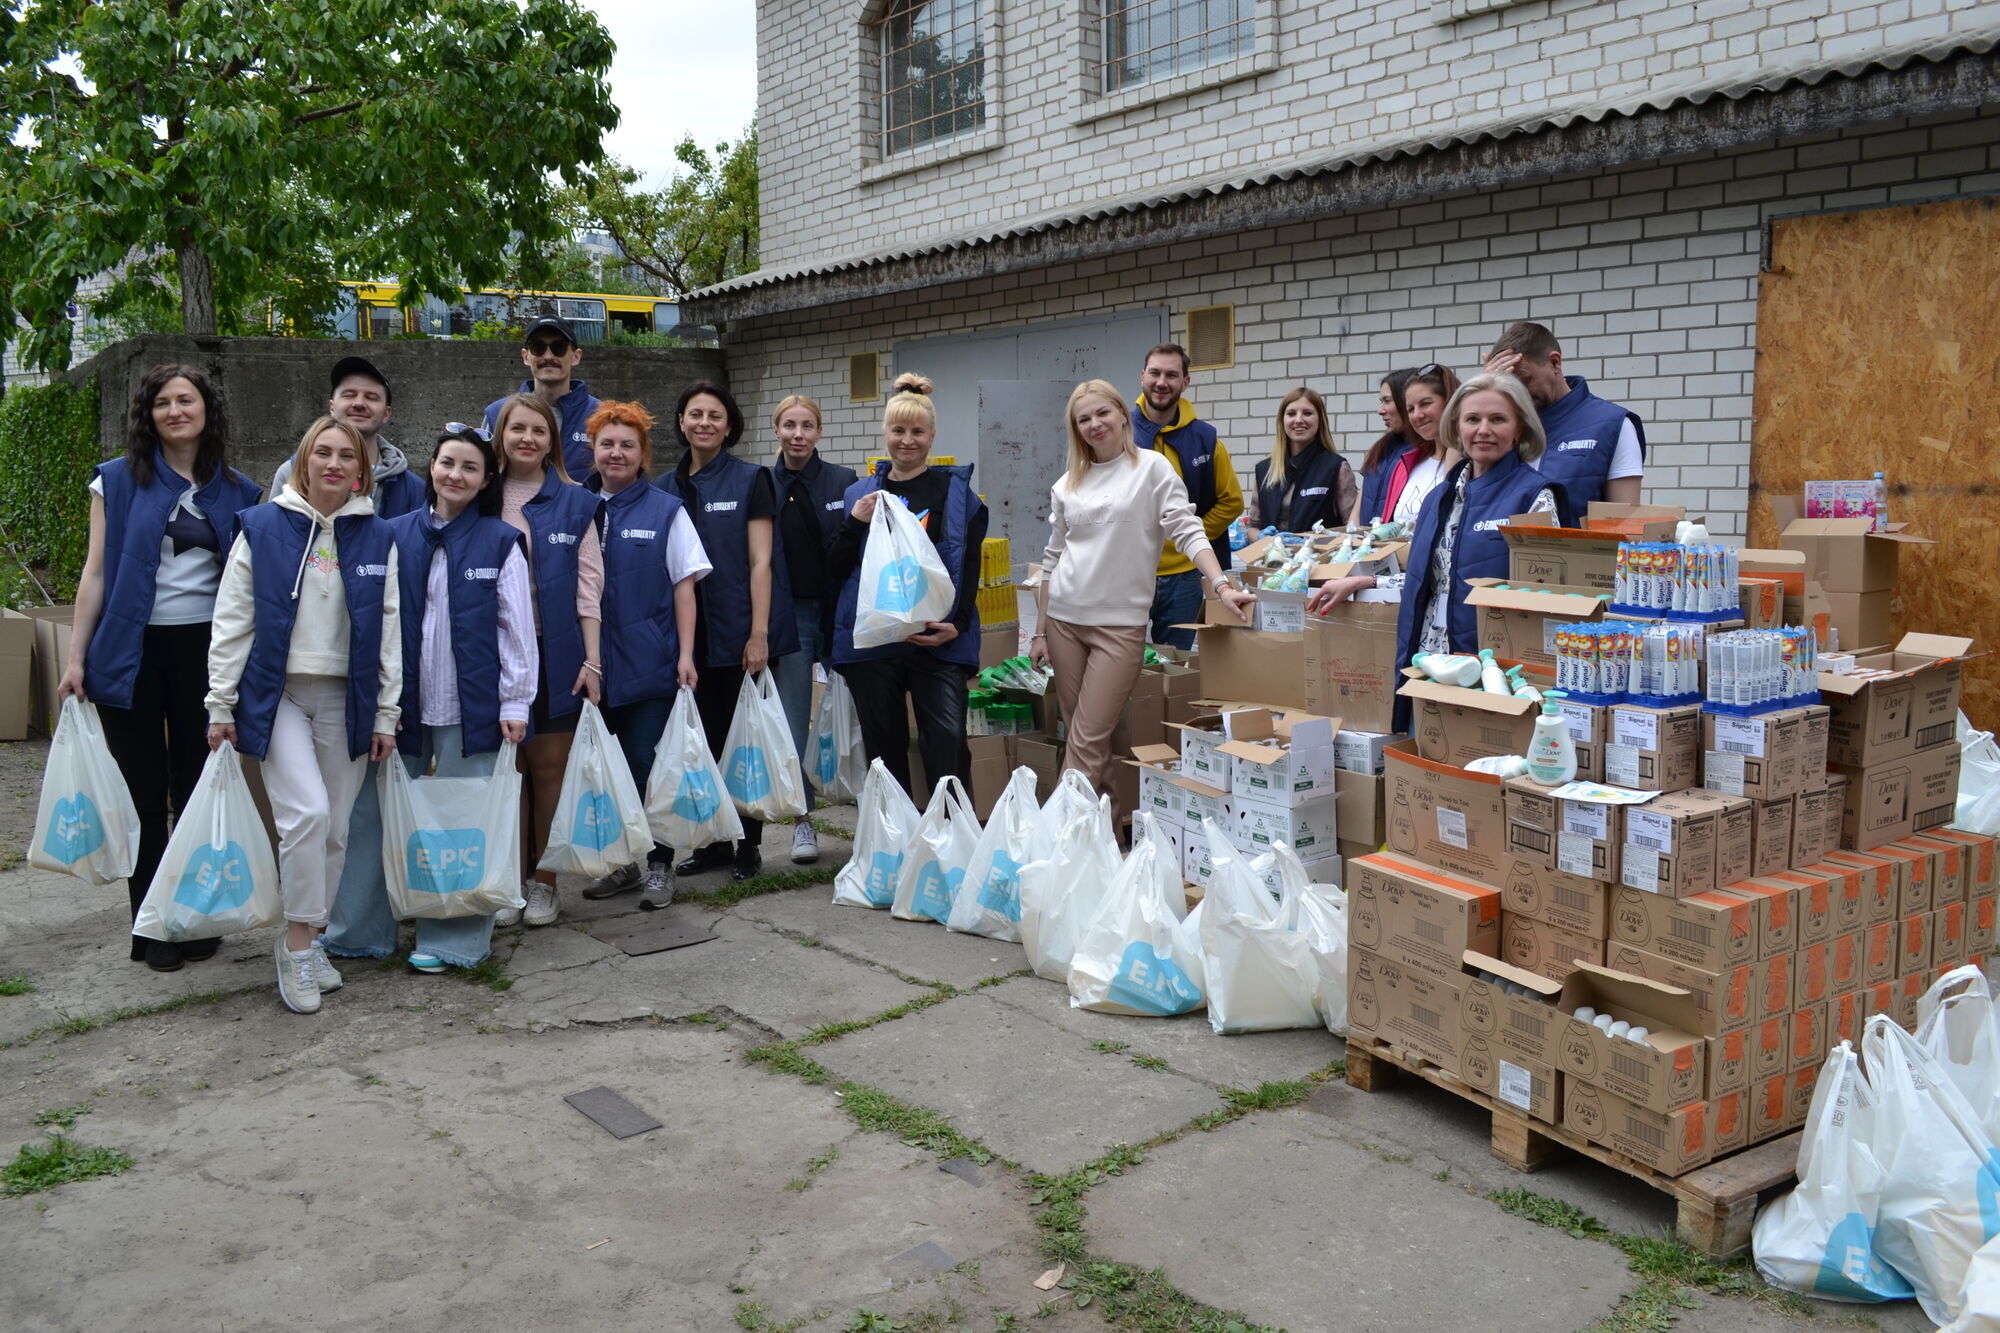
1108, 517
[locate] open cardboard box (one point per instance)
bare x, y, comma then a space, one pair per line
1455, 725
1663, 1072
1509, 1035
1385, 558
1843, 555
1285, 758
1349, 664
1586, 557
1897, 703
1253, 666
1519, 623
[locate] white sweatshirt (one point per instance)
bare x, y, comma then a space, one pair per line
321, 627
1105, 539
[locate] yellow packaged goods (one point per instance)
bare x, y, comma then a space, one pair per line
1445, 816
1664, 1071
1412, 914
1411, 1007
1896, 704
1670, 1142
1561, 899
1578, 837
1712, 931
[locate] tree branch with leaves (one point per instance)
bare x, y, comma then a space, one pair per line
698, 229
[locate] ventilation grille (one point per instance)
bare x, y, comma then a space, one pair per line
1212, 337
864, 377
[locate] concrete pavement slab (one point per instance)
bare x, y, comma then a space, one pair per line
919, 949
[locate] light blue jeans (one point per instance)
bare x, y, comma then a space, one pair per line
794, 675
360, 924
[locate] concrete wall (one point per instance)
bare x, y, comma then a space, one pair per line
274, 387
1331, 77
1647, 275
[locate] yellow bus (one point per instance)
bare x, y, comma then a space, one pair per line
369, 310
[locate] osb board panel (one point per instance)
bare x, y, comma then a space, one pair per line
1878, 348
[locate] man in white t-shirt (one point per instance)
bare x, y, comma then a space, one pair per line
1597, 449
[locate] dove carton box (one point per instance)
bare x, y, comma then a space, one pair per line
1445, 816
1507, 1018
1411, 1007
1669, 1142
1662, 1073
1712, 931
1413, 914
1555, 896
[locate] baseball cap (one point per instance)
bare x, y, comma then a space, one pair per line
359, 365
549, 324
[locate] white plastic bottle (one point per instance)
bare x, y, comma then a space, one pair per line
1552, 753
1492, 677
1881, 504
1448, 668
1499, 765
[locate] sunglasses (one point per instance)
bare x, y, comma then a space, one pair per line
1425, 372
546, 347
480, 433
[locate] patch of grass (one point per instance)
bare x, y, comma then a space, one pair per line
11, 856
75, 1025
1443, 1176
834, 1031
1333, 1073
58, 1161
1271, 1096
18, 984
199, 1085
826, 828
490, 971
783, 1058
1108, 1047
62, 1117
1550, 1213
873, 1321
703, 1017
735, 891
916, 1127
1152, 1062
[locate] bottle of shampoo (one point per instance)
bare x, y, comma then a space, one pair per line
1491, 676
1552, 754
1448, 668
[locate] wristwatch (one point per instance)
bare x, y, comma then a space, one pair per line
1218, 583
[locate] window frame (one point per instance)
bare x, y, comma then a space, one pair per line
872, 129
1090, 102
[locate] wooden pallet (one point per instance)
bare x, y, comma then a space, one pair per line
1715, 1202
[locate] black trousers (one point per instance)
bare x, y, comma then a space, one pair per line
935, 691
161, 742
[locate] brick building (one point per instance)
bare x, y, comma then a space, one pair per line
1009, 195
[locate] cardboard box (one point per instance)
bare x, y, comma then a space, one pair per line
1577, 557
1753, 756
1801, 1083
1361, 751
988, 772
1710, 931
1589, 725
1411, 914
1445, 816
1144, 719
1762, 602
1666, 1071
1509, 1037
1850, 907
1809, 844
1286, 758
1881, 950
51, 656
1982, 925
1950, 942
1201, 739
1842, 555
1041, 756
1863, 618
1182, 684
1774, 905
1771, 986
1771, 834
1916, 876
1898, 797
1670, 845
17, 674
1519, 623
1159, 792
1980, 868
1729, 1121
1723, 1000
1280, 612
1812, 975
1896, 704
1669, 1142
1307, 827
1653, 749
1770, 1047
1410, 1007
1455, 726
1879, 882
1814, 906
1948, 867
1905, 992
1197, 867
1770, 1102
1243, 665
1728, 1063
1359, 804
1735, 833
1844, 971
1809, 1041
1846, 1015
1580, 838
1549, 951
1913, 948
1576, 904
1349, 665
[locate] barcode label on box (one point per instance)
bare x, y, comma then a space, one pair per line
1723, 771
1578, 718
1740, 735
1641, 731
1641, 871
1451, 828
1517, 1085
1621, 765
1574, 856
1587, 818
1645, 829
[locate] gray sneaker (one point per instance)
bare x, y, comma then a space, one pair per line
298, 987
622, 880
543, 904
323, 972
658, 887
805, 843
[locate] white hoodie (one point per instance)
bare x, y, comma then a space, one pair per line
321, 628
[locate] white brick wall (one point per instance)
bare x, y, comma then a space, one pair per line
1351, 75
1648, 276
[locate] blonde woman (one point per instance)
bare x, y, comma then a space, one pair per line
1109, 515
1304, 481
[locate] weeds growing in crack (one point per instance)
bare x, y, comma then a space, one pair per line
75, 1025
783, 1057
735, 891
62, 1117
490, 971
915, 1126
17, 984
58, 1161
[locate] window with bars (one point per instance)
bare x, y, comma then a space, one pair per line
1148, 40
933, 71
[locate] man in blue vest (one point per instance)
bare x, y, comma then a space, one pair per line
362, 399
1597, 449
550, 352
1162, 419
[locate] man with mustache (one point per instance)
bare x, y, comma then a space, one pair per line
550, 352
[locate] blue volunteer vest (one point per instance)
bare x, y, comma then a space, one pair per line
825, 485
721, 518
1375, 485
1583, 436
135, 519
559, 517
1507, 489
277, 540
641, 641
961, 505
574, 411
1313, 477
398, 495
1193, 443
475, 548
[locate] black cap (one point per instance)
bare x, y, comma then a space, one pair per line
360, 365
548, 324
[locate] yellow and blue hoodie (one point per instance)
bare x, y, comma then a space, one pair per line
1193, 450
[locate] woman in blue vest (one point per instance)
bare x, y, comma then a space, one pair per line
1304, 481
926, 672
746, 618
1386, 452
161, 519
1492, 421
538, 499
812, 500
304, 670
652, 560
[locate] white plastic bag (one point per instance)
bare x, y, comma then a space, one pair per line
838, 764
940, 854
1978, 780
1134, 958
1979, 1296
1956, 1028
759, 765
452, 846
1819, 1239
1323, 921
1073, 795
1257, 968
686, 806
989, 900
885, 825
86, 824
1060, 893
600, 819
218, 875
1941, 1183
903, 583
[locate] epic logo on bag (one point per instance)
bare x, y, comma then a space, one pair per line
696, 799
902, 585
1849, 1271
76, 831
936, 890
215, 879
595, 824
1001, 890
1152, 984
749, 777
880, 886
826, 760
446, 860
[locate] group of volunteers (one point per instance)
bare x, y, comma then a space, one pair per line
371, 612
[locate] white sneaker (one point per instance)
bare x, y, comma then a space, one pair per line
657, 887
542, 904
509, 916
298, 987
329, 980
805, 843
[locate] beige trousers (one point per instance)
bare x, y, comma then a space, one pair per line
1095, 667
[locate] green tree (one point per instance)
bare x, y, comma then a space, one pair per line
698, 230
261, 144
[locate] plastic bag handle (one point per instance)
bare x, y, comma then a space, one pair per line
229, 771
1945, 990
957, 801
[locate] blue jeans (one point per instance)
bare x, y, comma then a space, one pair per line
638, 726
794, 674
360, 924
1176, 601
